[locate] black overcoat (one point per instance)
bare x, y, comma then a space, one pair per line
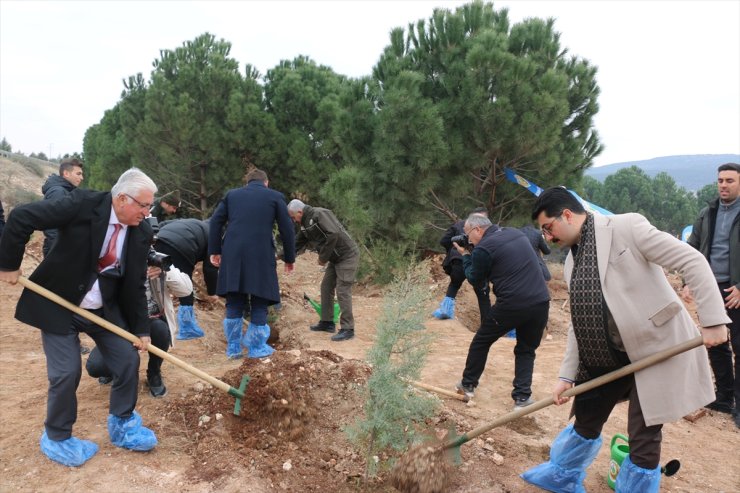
247, 250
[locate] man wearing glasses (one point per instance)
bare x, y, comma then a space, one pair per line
503, 257
99, 263
623, 309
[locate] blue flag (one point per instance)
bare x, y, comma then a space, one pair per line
536, 190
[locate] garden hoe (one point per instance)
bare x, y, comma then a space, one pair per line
237, 393
424, 469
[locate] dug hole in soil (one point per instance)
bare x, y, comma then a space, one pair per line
289, 435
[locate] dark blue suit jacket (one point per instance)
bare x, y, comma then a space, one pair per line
248, 263
70, 268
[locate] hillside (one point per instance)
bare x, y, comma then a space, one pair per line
691, 172
21, 180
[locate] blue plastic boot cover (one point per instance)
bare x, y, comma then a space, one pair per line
129, 433
71, 452
233, 333
570, 455
446, 309
255, 340
187, 325
632, 478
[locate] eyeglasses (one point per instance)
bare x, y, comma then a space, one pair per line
143, 206
470, 230
547, 228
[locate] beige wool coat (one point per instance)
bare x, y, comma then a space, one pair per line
649, 314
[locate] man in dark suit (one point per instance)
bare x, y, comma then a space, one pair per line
247, 262
98, 263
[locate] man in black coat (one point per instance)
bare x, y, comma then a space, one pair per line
186, 242
70, 176
99, 264
247, 274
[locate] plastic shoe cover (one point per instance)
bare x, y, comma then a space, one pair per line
129, 433
570, 455
255, 340
233, 333
446, 309
632, 478
71, 452
187, 325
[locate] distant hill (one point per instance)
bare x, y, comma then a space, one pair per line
690, 172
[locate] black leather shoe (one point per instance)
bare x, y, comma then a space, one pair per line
156, 386
343, 335
105, 380
324, 327
720, 406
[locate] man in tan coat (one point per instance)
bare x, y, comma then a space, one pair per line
622, 310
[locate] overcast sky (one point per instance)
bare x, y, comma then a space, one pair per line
669, 71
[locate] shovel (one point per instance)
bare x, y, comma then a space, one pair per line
414, 471
237, 393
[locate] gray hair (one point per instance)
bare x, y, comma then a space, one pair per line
296, 205
132, 182
478, 220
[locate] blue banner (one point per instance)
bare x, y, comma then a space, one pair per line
536, 190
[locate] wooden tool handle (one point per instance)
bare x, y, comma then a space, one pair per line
438, 390
579, 389
27, 283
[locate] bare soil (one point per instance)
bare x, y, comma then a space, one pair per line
289, 436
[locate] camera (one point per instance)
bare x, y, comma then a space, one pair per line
461, 240
156, 259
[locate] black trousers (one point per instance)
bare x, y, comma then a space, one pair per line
160, 333
727, 375
64, 368
592, 409
529, 322
457, 277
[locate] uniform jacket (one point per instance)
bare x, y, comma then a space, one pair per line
176, 283
650, 316
703, 234
248, 263
321, 231
54, 188
70, 269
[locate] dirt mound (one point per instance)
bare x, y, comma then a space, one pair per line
288, 422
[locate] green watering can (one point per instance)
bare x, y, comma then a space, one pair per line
317, 306
621, 450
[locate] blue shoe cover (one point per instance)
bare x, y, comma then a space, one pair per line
632, 479
255, 340
233, 333
71, 452
129, 433
187, 325
446, 309
570, 455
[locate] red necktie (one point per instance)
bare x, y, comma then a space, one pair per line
110, 254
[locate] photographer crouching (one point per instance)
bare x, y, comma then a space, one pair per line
164, 280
